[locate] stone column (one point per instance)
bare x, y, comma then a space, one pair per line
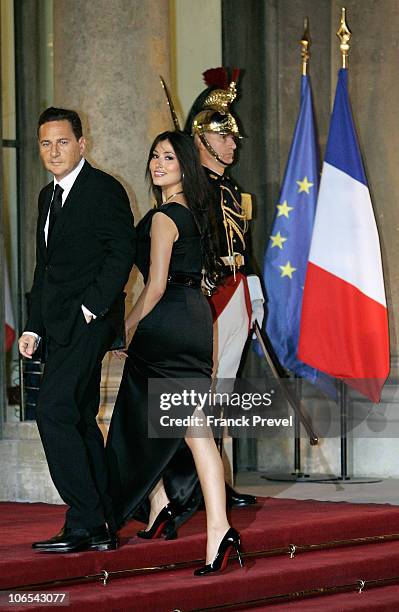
107, 60
269, 93
29, 102
267, 107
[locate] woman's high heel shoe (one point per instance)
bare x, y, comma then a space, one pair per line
166, 515
230, 540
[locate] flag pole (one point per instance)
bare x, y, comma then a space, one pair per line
344, 34
305, 42
278, 372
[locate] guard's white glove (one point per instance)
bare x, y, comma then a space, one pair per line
258, 312
257, 300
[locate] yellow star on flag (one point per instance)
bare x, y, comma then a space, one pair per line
287, 270
304, 185
284, 209
278, 240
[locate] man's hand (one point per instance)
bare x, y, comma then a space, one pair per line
257, 300
120, 354
27, 345
258, 313
129, 333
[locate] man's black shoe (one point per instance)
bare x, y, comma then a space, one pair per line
45, 543
71, 540
238, 500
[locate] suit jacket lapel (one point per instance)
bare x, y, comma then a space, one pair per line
69, 204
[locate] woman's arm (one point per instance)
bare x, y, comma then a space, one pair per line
163, 234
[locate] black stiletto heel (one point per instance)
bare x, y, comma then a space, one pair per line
230, 540
163, 519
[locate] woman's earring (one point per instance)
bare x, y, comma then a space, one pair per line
182, 176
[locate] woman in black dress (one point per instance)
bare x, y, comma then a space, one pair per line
171, 330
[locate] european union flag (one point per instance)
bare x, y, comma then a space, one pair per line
287, 250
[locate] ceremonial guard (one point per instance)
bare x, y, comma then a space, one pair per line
238, 301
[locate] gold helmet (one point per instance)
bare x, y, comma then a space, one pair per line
215, 116
211, 110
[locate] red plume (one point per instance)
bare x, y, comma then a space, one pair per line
216, 77
235, 75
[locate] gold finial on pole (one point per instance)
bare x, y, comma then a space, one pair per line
344, 34
306, 41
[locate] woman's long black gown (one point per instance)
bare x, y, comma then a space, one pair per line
174, 341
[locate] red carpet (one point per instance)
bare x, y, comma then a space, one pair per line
383, 599
274, 523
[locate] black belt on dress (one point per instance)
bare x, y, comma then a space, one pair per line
183, 280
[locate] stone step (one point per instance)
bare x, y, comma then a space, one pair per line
25, 475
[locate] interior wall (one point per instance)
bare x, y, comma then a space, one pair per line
196, 45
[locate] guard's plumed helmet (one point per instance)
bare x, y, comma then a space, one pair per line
211, 110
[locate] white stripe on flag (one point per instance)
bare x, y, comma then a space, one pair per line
345, 240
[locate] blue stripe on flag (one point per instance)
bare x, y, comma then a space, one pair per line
342, 149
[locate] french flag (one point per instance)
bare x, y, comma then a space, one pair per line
344, 321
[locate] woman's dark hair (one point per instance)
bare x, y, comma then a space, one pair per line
198, 194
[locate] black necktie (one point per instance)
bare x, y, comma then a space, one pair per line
56, 207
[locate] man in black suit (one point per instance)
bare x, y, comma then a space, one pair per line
84, 252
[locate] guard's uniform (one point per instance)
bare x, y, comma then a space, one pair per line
231, 303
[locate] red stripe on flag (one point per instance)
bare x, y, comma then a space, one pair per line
10, 337
343, 332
